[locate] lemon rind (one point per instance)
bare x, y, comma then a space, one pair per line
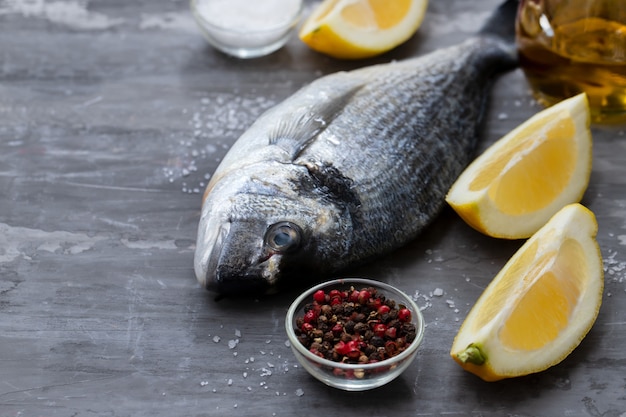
576, 221
367, 41
480, 212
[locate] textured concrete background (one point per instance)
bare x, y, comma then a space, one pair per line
113, 114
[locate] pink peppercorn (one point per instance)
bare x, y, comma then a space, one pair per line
349, 349
335, 300
380, 329
384, 309
334, 293
319, 296
404, 315
364, 296
310, 316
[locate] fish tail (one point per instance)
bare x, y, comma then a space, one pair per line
501, 25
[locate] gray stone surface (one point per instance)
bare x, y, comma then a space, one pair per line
112, 116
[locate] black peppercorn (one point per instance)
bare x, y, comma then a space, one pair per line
354, 326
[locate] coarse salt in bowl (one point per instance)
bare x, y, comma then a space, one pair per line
353, 376
247, 29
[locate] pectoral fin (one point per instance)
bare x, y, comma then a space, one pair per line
297, 130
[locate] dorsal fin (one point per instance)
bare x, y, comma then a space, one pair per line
297, 130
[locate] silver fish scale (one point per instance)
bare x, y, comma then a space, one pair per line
254, 205
404, 138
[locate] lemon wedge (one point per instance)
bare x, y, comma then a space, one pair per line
541, 304
520, 181
355, 29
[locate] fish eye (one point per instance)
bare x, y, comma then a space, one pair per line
283, 237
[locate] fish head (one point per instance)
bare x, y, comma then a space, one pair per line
267, 226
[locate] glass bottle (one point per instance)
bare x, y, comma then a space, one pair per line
571, 46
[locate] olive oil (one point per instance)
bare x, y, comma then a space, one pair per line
565, 56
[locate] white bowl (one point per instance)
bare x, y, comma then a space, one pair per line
247, 29
353, 376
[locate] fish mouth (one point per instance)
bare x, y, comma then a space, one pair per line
223, 270
227, 282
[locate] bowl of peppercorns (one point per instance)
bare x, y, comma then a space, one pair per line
354, 334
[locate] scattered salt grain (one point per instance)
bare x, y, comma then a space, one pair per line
217, 122
438, 292
204, 383
614, 268
237, 333
216, 339
233, 343
230, 382
299, 392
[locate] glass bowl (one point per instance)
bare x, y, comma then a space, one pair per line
244, 31
352, 376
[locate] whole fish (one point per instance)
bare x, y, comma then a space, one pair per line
350, 167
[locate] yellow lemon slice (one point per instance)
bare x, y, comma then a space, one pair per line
540, 306
354, 29
520, 181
